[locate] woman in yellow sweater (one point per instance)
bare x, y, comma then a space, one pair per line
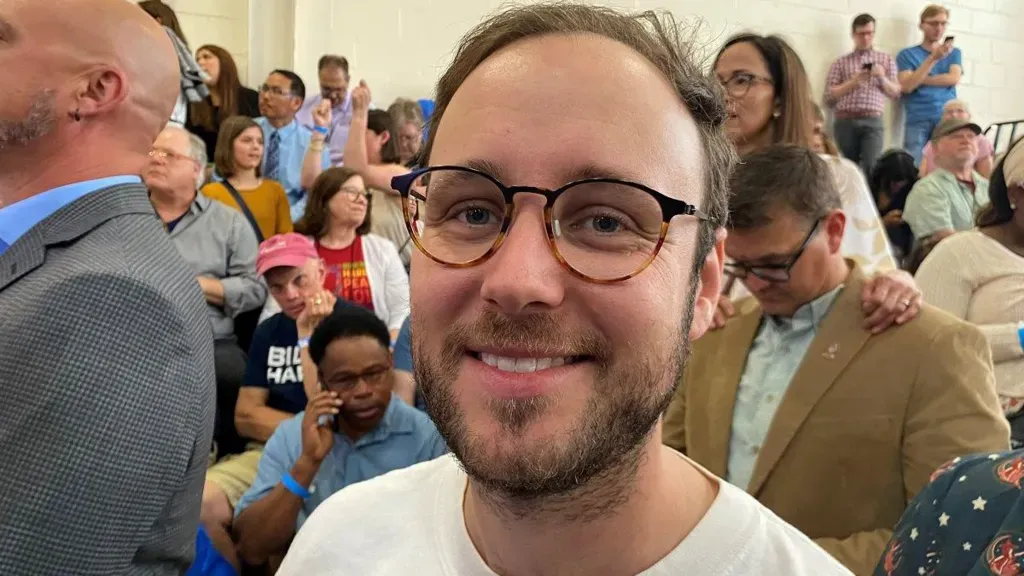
238, 158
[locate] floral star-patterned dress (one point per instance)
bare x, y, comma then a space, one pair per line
968, 521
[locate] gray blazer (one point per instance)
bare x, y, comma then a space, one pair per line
106, 394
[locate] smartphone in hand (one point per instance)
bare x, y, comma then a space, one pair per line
948, 40
868, 65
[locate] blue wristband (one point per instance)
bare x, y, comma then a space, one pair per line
1020, 335
321, 129
294, 487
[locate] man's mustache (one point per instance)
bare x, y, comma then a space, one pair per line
539, 335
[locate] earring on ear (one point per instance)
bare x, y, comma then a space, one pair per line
776, 114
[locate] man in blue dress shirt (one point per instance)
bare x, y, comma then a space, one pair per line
334, 79
293, 154
354, 430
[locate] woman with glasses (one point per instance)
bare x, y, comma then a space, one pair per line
360, 267
768, 96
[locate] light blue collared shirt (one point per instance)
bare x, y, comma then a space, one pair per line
405, 436
295, 140
341, 119
20, 217
772, 361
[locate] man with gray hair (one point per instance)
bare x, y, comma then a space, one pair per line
106, 353
794, 398
220, 246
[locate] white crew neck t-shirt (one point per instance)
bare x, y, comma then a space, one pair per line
410, 521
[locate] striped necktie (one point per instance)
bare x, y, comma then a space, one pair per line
273, 157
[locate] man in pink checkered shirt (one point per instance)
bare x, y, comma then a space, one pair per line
857, 86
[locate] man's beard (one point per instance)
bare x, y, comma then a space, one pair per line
39, 121
602, 450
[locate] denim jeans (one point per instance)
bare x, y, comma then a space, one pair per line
915, 135
860, 140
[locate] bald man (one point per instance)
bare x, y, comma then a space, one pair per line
106, 353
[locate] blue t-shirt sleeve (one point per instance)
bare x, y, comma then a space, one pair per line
403, 348
279, 455
956, 57
256, 367
905, 61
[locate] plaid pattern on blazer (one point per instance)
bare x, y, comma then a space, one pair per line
106, 394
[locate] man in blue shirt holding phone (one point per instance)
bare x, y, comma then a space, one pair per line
928, 75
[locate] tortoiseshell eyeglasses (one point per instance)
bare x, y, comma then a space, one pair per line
603, 230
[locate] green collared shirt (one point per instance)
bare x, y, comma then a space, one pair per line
941, 202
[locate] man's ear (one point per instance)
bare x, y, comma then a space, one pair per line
709, 287
98, 91
385, 137
835, 226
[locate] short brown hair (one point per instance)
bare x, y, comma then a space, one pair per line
224, 154
933, 10
781, 176
862, 20
655, 36
332, 60
315, 220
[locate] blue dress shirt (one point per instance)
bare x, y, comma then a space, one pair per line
295, 140
20, 217
405, 436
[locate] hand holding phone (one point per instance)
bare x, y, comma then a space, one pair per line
318, 426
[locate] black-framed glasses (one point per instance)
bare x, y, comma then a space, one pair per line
275, 90
740, 83
602, 229
372, 377
775, 273
354, 194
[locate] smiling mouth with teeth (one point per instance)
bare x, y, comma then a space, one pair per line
525, 365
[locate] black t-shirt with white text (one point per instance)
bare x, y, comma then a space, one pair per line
275, 363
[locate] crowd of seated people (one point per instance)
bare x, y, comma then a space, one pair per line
870, 329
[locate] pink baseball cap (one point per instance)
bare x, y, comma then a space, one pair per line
291, 250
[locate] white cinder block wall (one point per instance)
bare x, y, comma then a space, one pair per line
399, 46
224, 23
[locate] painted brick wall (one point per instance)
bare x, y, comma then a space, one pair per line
399, 46
221, 22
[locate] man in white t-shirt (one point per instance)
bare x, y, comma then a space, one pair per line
547, 338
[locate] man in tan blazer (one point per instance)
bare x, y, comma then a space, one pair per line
833, 429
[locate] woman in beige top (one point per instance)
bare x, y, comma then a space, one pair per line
979, 276
372, 150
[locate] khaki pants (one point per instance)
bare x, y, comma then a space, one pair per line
236, 472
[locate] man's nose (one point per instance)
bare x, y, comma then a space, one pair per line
524, 273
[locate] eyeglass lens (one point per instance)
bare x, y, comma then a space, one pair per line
602, 230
